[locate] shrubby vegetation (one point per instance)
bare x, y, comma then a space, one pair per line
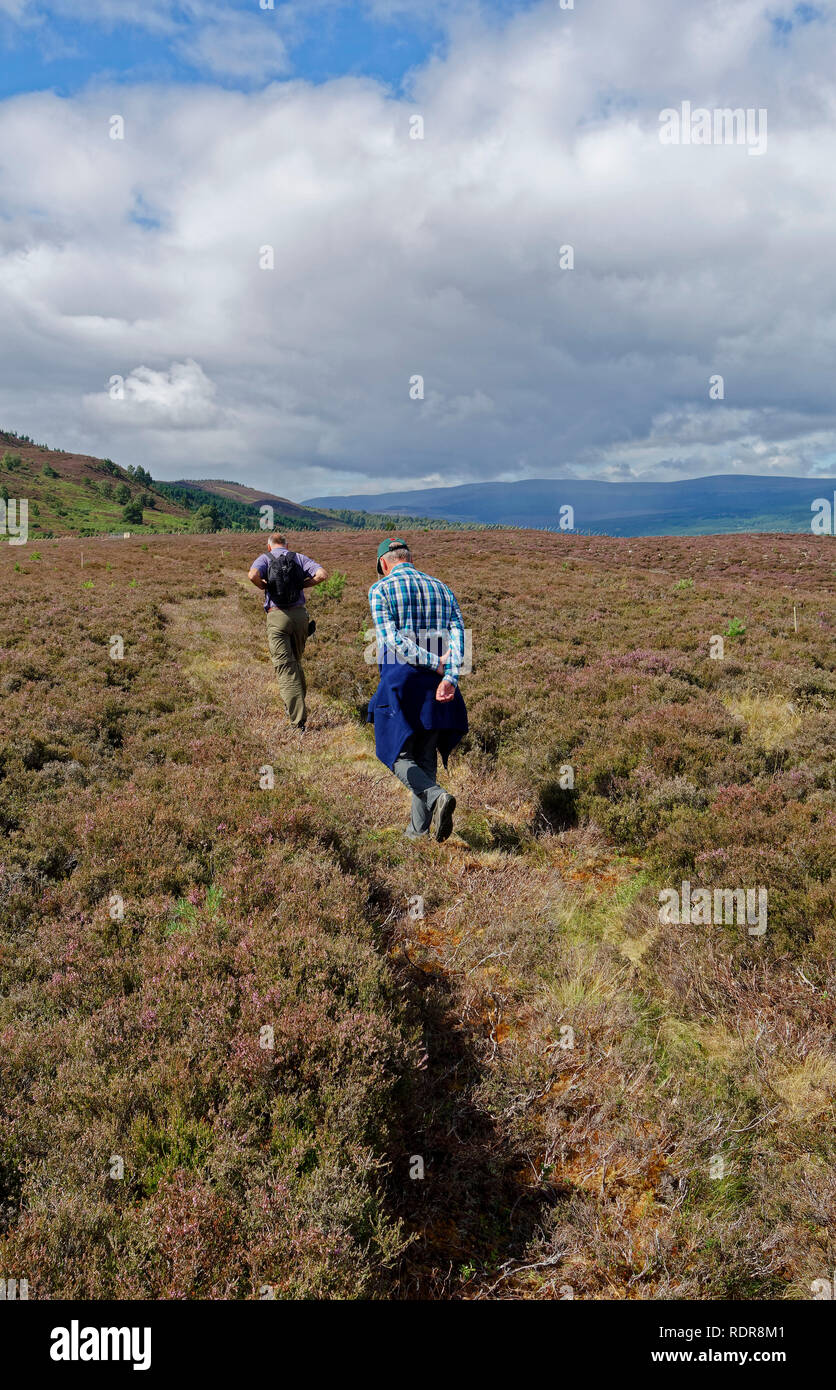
140, 1036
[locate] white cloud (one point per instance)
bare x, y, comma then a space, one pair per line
181, 398
238, 46
396, 257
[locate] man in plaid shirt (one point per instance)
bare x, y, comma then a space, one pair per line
417, 709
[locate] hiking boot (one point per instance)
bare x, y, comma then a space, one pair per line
441, 824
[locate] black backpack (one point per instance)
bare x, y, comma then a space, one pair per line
285, 578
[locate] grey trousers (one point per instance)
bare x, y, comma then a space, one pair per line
416, 767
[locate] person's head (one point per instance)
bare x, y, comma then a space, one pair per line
390, 553
274, 540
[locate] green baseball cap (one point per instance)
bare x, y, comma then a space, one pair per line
394, 543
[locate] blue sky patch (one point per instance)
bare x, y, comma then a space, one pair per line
51, 48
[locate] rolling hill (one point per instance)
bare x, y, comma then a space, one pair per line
71, 494
694, 506
251, 497
78, 494
294, 515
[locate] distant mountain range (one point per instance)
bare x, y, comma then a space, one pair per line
77, 494
692, 507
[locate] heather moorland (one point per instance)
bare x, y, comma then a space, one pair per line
252, 1042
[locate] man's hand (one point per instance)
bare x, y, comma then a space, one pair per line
445, 691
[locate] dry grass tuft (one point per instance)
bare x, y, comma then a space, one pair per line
809, 1089
771, 721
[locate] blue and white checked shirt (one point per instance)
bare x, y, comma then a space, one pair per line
410, 608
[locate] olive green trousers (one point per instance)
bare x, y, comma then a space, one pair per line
287, 633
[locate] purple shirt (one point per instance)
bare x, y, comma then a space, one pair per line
262, 564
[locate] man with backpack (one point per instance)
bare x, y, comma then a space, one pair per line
283, 575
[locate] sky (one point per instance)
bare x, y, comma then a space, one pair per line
331, 247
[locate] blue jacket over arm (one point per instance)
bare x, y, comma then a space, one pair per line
405, 704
